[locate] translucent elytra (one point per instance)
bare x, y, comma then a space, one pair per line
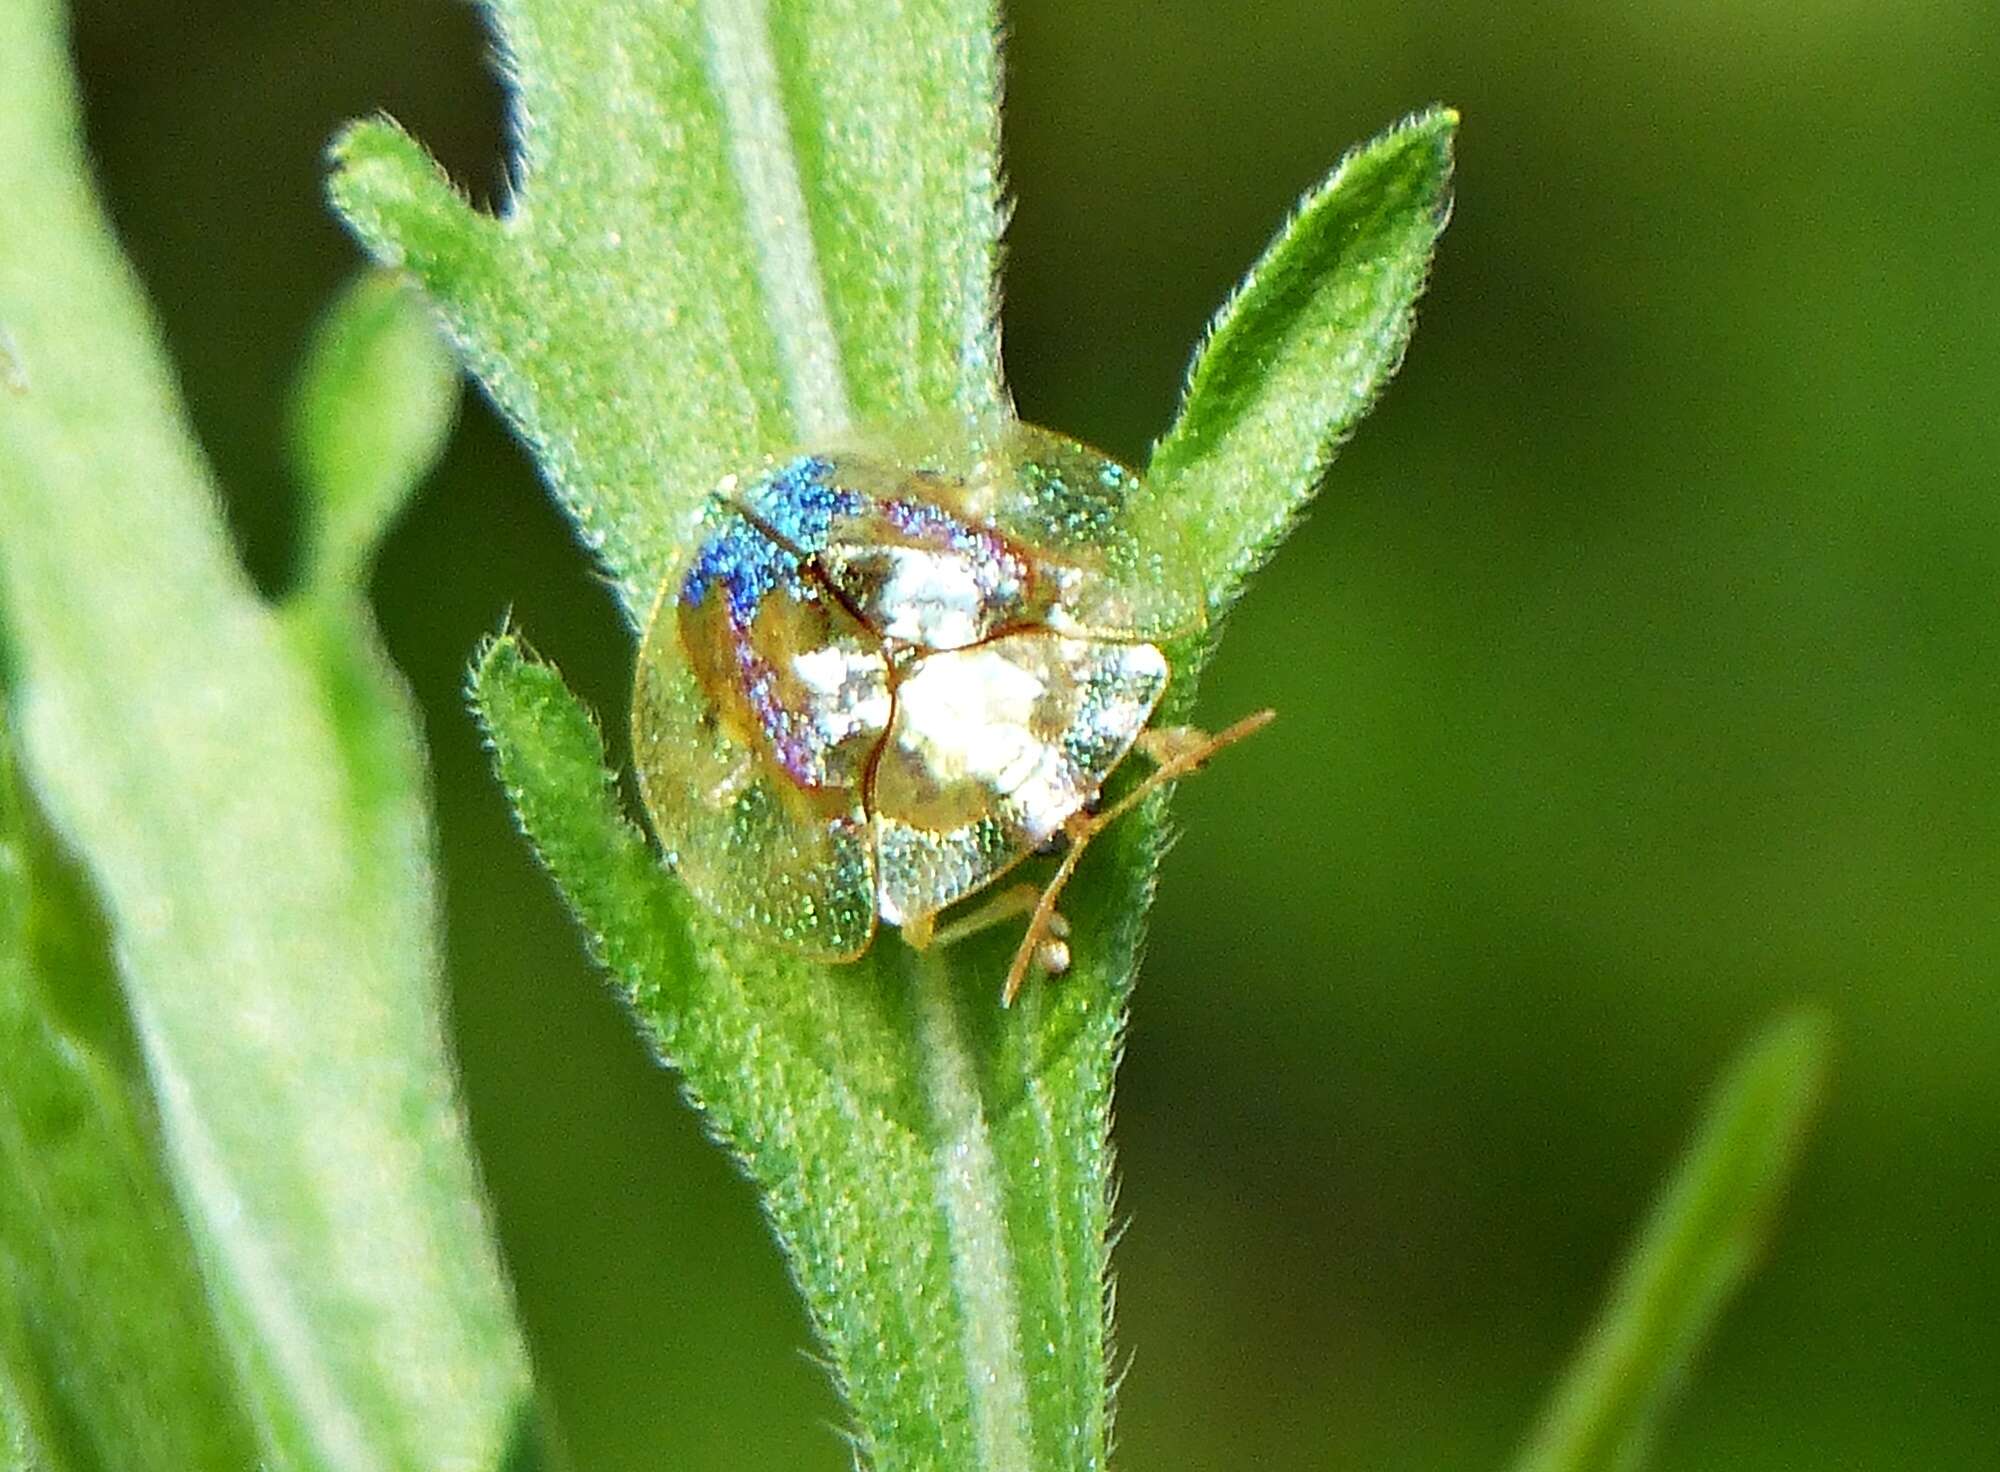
888, 674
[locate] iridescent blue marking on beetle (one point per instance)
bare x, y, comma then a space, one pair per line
919, 519
749, 566
938, 527
745, 562
814, 735
799, 501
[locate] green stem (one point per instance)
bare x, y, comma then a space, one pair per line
774, 211
970, 1193
969, 1181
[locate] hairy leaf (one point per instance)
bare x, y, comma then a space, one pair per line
279, 956
937, 1172
1301, 350
1702, 1241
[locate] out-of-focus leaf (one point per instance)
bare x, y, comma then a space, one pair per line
280, 959
375, 403
17, 1452
1702, 1241
107, 1344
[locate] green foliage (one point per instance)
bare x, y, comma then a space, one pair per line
810, 249
739, 227
846, 1095
377, 396
105, 1336
1300, 351
17, 1453
1702, 1241
252, 819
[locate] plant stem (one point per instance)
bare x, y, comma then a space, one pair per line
774, 208
969, 1190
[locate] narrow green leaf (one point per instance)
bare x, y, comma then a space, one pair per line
281, 974
937, 1170
737, 226
1702, 1241
1299, 353
375, 403
106, 1339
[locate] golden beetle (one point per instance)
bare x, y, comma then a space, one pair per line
886, 677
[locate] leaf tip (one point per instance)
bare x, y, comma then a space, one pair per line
1303, 346
496, 660
398, 200
1439, 119
372, 409
1759, 1115
1423, 146
1788, 1063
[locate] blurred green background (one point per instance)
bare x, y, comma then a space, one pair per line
1638, 675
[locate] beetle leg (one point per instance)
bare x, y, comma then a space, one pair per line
1177, 751
1048, 950
1010, 903
920, 932
1161, 744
